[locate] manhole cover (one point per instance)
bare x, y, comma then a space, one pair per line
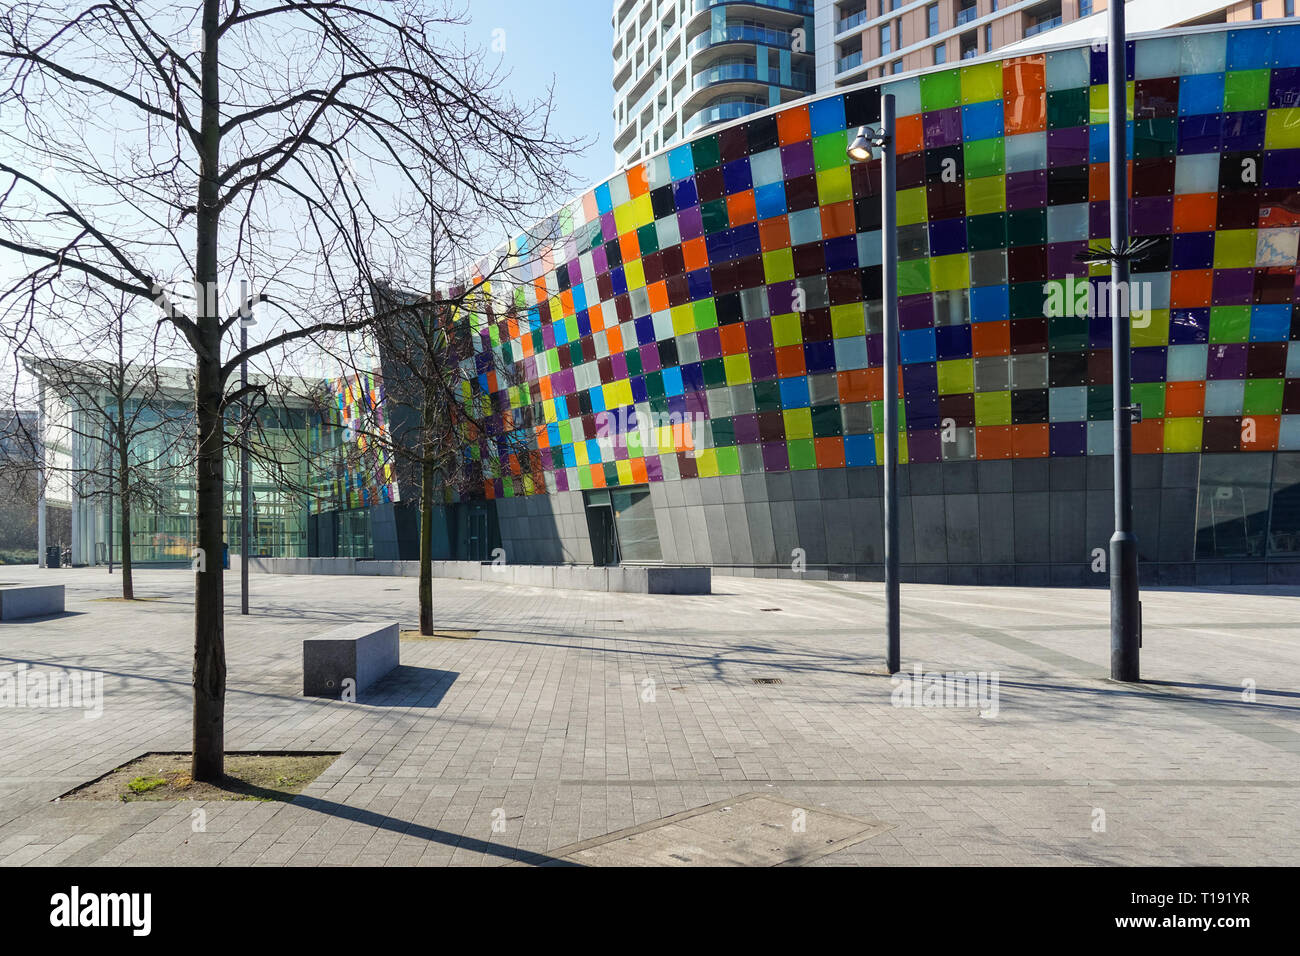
754, 829
766, 680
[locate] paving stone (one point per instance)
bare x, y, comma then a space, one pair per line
579, 714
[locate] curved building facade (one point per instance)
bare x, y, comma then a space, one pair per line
701, 353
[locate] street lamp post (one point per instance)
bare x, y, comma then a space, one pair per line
243, 469
1125, 609
859, 151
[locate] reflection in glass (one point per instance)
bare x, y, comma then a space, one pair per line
1284, 522
1232, 510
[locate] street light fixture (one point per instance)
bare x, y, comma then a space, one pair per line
860, 150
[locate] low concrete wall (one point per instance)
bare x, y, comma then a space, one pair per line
36, 600
408, 569
575, 577
364, 651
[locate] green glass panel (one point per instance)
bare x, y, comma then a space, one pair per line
941, 90
1230, 323
1026, 300
1154, 138
714, 216
986, 232
1099, 402
767, 397
826, 421
724, 431
1027, 227
715, 374
647, 238
1245, 90
985, 157
1151, 396
1066, 108
830, 150
1067, 334
803, 454
1263, 396
705, 152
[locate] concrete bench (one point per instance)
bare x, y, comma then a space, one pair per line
36, 600
363, 652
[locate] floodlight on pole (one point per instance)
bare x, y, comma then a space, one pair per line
860, 150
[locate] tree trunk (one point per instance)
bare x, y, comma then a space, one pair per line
209, 597
124, 484
426, 546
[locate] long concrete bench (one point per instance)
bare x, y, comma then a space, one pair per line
652, 579
361, 653
36, 600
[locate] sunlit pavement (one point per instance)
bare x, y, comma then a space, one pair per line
571, 715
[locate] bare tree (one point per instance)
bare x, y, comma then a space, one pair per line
122, 408
204, 143
432, 360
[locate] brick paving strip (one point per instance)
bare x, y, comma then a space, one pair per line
582, 721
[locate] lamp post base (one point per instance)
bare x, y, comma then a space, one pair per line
1125, 609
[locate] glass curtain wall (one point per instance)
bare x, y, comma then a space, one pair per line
162, 520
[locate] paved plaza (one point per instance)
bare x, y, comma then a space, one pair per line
569, 716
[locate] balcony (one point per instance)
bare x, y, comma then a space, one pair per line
721, 113
741, 34
748, 72
849, 22
848, 62
801, 7
1042, 26
967, 14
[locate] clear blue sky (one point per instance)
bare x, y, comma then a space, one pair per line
568, 41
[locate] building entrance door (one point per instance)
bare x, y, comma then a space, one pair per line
477, 545
621, 522
604, 536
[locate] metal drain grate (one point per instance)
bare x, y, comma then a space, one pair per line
766, 680
769, 609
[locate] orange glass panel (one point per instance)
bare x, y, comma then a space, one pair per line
854, 384
838, 220
732, 338
792, 125
829, 452
910, 136
774, 233
1191, 288
994, 441
629, 247
1149, 436
1030, 441
657, 292
1024, 102
1195, 212
695, 254
1184, 399
1266, 431
990, 338
740, 208
790, 362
